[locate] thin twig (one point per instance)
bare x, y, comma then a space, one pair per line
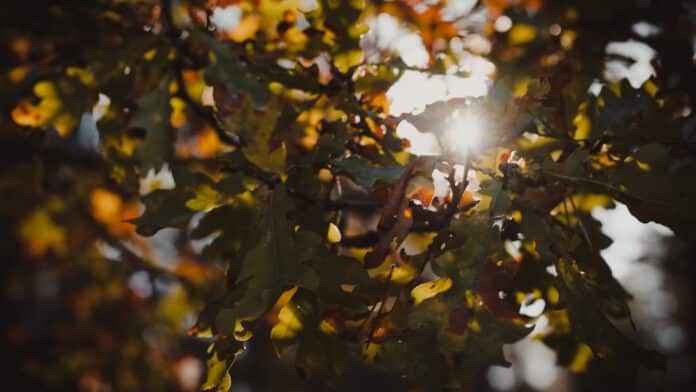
565, 211
580, 224
337, 204
373, 324
130, 258
604, 185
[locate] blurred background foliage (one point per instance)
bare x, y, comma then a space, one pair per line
330, 195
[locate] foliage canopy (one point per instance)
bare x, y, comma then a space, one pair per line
273, 141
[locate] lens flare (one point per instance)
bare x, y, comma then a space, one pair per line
464, 133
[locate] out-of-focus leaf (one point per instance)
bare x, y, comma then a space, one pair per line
259, 152
41, 234
163, 209
592, 327
496, 200
496, 278
365, 174
152, 115
228, 69
61, 104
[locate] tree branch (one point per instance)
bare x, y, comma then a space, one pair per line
178, 67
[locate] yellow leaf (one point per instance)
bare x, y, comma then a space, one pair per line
344, 61
206, 199
246, 29
295, 37
556, 155
520, 88
615, 87
288, 317
289, 325
333, 234
50, 109
553, 295
173, 308
643, 166
285, 297
217, 371
650, 87
568, 38
195, 86
225, 384
84, 75
17, 74
327, 327
325, 175
241, 334
41, 234
206, 333
583, 126
64, 123
404, 274
177, 118
150, 54
276, 9
358, 29
371, 350
521, 34
283, 332
430, 289
586, 202
358, 253
559, 321
401, 274
581, 359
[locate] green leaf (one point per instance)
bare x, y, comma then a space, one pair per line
485, 348
229, 70
608, 344
193, 192
365, 174
152, 115
270, 266
209, 196
230, 237
163, 209
498, 200
656, 188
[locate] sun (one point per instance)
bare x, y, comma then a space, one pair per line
464, 132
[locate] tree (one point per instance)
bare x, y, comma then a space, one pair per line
265, 128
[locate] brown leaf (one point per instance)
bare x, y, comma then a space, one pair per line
458, 319
396, 219
496, 278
